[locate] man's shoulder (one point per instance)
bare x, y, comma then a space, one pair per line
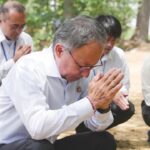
25, 35
118, 52
117, 49
25, 38
33, 57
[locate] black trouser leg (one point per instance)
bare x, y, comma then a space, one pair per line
121, 116
28, 144
145, 112
87, 141
82, 128
81, 141
146, 116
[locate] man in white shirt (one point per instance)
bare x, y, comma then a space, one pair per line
114, 57
47, 93
14, 43
145, 105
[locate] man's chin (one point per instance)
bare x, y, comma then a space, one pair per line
72, 79
107, 51
15, 37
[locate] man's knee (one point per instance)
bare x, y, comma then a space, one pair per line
104, 138
131, 109
124, 114
28, 144
41, 145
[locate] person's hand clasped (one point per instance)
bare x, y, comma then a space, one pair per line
22, 50
103, 88
121, 100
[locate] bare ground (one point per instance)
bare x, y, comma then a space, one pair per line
132, 135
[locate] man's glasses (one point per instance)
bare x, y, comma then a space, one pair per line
83, 68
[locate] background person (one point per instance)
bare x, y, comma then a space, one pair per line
14, 43
45, 93
114, 57
145, 105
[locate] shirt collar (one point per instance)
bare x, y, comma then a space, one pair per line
107, 56
2, 36
51, 68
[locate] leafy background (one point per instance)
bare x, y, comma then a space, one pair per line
42, 15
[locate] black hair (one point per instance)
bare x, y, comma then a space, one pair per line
111, 24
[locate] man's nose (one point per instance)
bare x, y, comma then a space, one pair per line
85, 73
109, 44
19, 30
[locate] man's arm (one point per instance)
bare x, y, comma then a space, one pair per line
145, 76
108, 86
121, 98
20, 51
5, 67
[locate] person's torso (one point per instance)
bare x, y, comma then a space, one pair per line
57, 93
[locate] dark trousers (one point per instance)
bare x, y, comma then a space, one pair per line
120, 116
80, 141
145, 112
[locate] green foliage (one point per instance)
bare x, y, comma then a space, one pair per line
39, 21
122, 9
41, 15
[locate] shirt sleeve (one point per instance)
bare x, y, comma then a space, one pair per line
26, 39
145, 76
5, 67
30, 41
99, 122
29, 100
126, 78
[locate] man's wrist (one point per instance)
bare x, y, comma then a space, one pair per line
102, 111
92, 103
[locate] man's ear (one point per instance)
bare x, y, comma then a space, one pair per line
59, 48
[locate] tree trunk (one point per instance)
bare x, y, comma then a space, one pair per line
69, 10
142, 24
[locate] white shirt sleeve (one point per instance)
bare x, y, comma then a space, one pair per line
5, 67
126, 79
31, 105
145, 76
99, 122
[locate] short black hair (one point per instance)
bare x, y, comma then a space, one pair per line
111, 24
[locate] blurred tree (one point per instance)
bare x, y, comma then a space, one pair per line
69, 10
142, 24
44, 16
39, 20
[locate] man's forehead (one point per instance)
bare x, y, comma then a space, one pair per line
15, 16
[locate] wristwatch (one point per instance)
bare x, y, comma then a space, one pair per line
102, 111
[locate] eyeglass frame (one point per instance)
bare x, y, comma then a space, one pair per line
83, 68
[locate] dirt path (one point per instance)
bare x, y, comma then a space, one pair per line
133, 134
